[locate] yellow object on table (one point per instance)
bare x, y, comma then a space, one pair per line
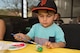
30, 48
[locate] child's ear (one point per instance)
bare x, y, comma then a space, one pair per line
55, 18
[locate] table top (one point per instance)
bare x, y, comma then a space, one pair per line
30, 48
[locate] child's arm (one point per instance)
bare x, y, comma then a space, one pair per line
2, 29
21, 37
54, 45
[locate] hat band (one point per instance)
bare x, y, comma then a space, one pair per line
43, 8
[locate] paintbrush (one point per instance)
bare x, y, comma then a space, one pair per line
26, 39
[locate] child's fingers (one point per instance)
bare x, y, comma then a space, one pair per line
48, 45
51, 46
45, 44
18, 36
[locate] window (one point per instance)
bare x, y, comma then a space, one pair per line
11, 7
76, 8
31, 4
64, 7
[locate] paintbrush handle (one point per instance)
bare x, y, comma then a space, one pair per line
31, 42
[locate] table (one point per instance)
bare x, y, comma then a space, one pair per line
30, 48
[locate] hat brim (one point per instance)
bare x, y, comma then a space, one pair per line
42, 8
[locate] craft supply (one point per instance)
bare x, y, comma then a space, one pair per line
26, 40
38, 46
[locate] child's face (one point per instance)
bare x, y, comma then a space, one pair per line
46, 18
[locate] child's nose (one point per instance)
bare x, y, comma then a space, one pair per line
45, 18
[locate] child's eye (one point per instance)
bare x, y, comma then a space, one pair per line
41, 16
49, 15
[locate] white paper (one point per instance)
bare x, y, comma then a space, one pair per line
4, 46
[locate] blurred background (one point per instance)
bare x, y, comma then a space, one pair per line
68, 9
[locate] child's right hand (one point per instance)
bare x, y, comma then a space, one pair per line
20, 36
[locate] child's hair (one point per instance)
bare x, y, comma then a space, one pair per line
59, 14
50, 11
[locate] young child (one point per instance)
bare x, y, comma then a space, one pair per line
45, 32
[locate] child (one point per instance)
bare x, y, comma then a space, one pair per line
45, 32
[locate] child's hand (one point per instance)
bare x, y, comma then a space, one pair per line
54, 44
19, 36
49, 45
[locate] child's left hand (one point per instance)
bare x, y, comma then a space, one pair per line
49, 45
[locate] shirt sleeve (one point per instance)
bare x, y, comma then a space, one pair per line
31, 32
60, 35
